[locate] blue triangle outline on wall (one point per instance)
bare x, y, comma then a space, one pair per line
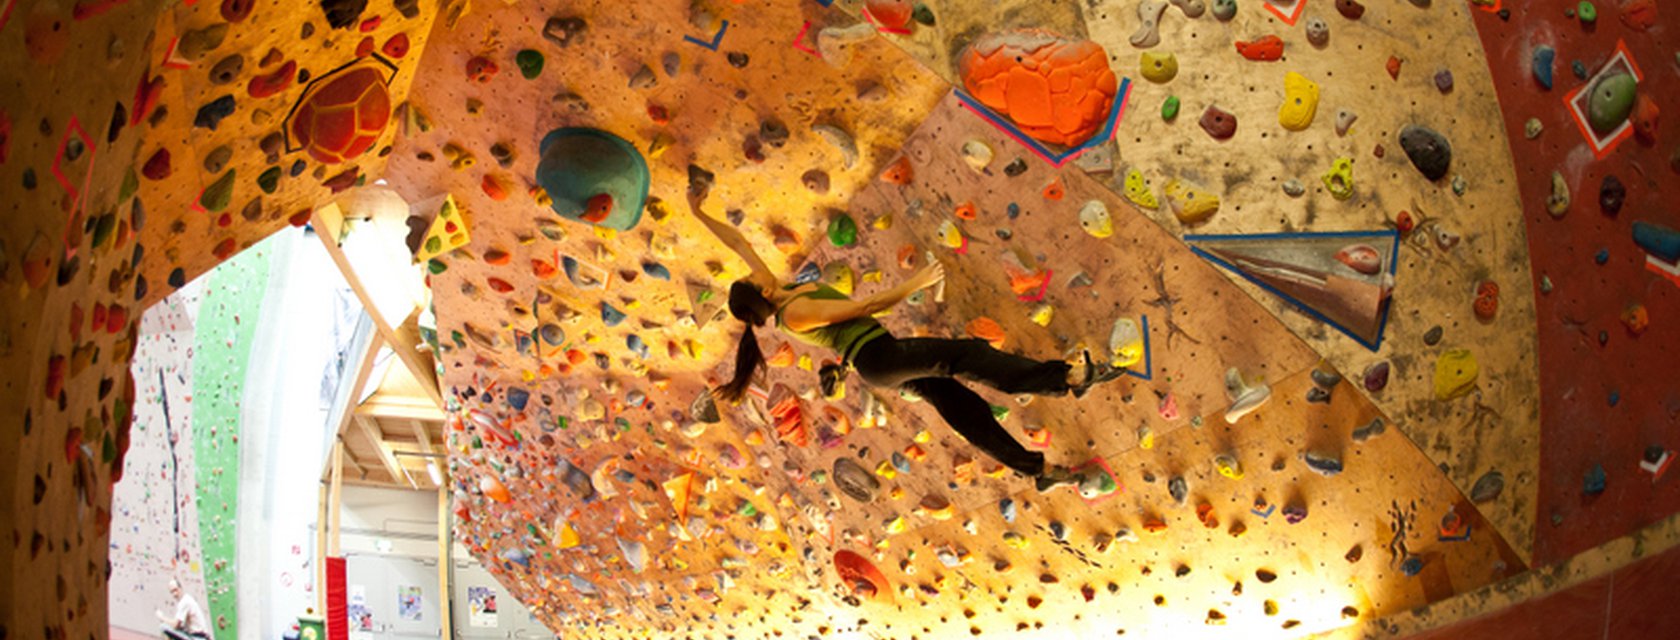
1393, 265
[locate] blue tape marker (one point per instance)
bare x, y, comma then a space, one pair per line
716, 39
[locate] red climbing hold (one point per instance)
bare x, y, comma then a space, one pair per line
55, 377
899, 172
224, 249
1640, 15
480, 69
499, 285
341, 119
966, 211
157, 167
396, 47
1266, 48
116, 317
1054, 191
370, 24
893, 15
543, 270
237, 10
146, 95
493, 188
365, 47
264, 86
300, 218
496, 257
598, 208
1645, 118
1393, 68
1487, 300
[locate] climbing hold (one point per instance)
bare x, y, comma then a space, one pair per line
1158, 67
1488, 487
1224, 10
1300, 102
227, 70
1444, 81
977, 155
1339, 179
1611, 194
1344, 121
842, 230
1218, 123
1246, 395
1541, 62
1264, 49
1611, 102
1371, 429
1487, 300
1125, 344
815, 180
1361, 257
1228, 466
396, 47
562, 31
340, 118
840, 140
1137, 191
1455, 374
211, 114
1094, 219
157, 167
1178, 489
1055, 89
1586, 12
854, 480
481, 69
1054, 191
1557, 203
594, 176
1350, 9
1149, 17
1428, 150
530, 62
343, 14
265, 85
1645, 118
898, 172
890, 14
1393, 67
1376, 377
1169, 108
217, 196
1318, 31
1594, 481
1191, 203
1293, 188
1324, 465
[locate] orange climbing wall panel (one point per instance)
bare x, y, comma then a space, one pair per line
1606, 392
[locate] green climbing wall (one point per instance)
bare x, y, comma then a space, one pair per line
221, 353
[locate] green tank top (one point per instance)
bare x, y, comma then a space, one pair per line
836, 337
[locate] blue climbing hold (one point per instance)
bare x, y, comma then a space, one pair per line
1014, 211
1411, 566
1602, 256
551, 334
656, 270
1594, 481
1657, 240
1007, 508
1615, 398
637, 346
517, 398
808, 273
610, 316
1544, 55
210, 115
593, 176
1579, 68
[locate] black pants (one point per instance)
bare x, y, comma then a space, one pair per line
928, 366
173, 634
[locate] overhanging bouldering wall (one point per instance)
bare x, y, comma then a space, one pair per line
154, 518
592, 478
141, 143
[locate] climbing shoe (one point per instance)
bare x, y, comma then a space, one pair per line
1055, 476
1095, 373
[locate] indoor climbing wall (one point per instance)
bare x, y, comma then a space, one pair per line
141, 143
1606, 296
154, 517
598, 480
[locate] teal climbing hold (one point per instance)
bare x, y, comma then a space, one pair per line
611, 316
593, 176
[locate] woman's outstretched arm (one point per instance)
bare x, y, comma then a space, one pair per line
804, 314
732, 238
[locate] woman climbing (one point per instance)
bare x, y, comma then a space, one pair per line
821, 316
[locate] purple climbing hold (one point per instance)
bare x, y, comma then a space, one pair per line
1376, 377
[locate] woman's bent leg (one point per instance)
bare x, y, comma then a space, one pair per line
971, 416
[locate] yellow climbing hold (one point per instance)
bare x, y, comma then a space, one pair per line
1138, 192
1015, 540
1042, 314
896, 525
883, 223
1455, 374
1094, 219
1146, 438
1228, 466
886, 470
1158, 67
569, 536
1300, 102
1125, 343
950, 235
1339, 179
839, 276
1190, 202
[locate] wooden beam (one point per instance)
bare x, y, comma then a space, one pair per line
421, 436
321, 551
377, 439
392, 408
329, 226
443, 563
364, 370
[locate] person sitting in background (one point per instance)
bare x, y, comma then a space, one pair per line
188, 621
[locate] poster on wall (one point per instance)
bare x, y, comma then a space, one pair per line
481, 606
408, 602
361, 618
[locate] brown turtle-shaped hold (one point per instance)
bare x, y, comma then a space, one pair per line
1057, 90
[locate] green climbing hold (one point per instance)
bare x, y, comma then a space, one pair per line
842, 230
103, 228
269, 180
530, 63
1169, 109
217, 196
436, 266
1586, 12
1339, 179
1611, 102
130, 184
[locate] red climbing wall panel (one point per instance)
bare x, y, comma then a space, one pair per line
1607, 393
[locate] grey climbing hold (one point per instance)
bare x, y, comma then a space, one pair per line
1371, 429
1325, 465
1488, 487
1532, 128
1428, 150
854, 480
1344, 121
1293, 188
1444, 80
1224, 10
1177, 488
227, 70
217, 159
562, 31
1326, 379
1318, 395
1318, 31
1432, 336
840, 140
704, 408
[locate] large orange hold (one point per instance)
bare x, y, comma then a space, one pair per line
1055, 89
341, 118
